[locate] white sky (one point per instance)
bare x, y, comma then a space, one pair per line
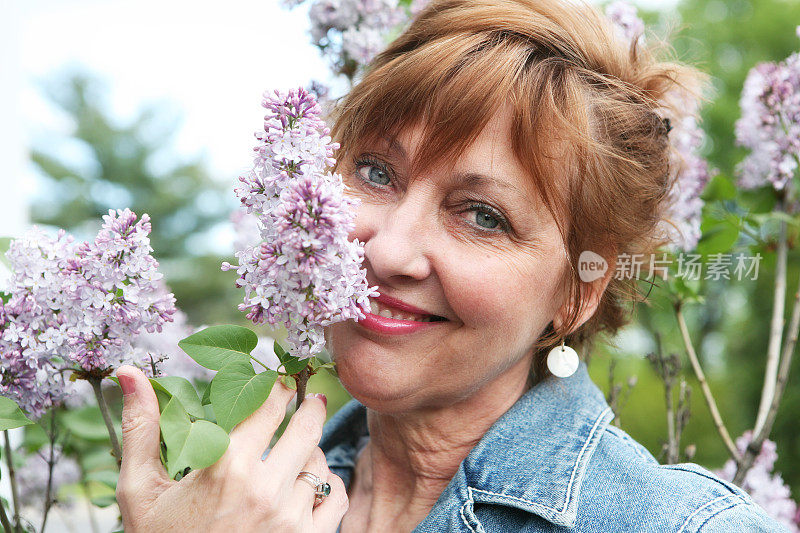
211, 60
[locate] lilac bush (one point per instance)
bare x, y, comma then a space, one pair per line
77, 307
304, 273
770, 124
351, 32
682, 223
765, 487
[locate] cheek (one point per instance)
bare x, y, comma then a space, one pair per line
498, 296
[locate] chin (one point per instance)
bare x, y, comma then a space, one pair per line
371, 374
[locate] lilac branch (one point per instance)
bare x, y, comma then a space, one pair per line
752, 450
112, 433
707, 395
776, 330
12, 478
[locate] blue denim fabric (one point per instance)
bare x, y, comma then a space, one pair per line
552, 462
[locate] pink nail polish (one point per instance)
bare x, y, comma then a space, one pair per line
127, 384
322, 397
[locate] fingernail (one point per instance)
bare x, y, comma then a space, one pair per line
318, 395
127, 383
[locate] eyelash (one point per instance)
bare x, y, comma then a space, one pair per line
474, 205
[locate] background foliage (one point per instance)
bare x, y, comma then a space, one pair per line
133, 165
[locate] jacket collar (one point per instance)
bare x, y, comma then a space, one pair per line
534, 457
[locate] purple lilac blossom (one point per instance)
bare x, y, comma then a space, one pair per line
627, 23
767, 489
352, 29
303, 273
33, 474
77, 306
681, 225
770, 124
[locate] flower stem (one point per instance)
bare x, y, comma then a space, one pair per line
775, 331
51, 461
4, 519
302, 380
112, 433
12, 477
701, 377
754, 448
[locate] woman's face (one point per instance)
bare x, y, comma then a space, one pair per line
470, 244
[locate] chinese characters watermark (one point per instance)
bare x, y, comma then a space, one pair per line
719, 266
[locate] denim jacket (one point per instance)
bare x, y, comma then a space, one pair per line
552, 462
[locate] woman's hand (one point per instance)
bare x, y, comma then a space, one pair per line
238, 493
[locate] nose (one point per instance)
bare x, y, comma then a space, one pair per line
397, 247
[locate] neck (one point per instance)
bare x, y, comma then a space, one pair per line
412, 456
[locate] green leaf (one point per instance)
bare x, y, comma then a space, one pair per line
11, 416
86, 423
279, 351
215, 346
104, 501
237, 391
195, 445
289, 381
207, 395
106, 477
719, 239
719, 188
183, 390
5, 296
5, 244
293, 365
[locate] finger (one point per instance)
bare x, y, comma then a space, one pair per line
253, 434
328, 515
140, 431
298, 441
303, 493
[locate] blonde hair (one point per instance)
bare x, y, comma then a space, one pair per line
571, 82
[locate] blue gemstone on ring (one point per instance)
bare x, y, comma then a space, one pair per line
323, 490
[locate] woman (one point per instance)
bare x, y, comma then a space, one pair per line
491, 144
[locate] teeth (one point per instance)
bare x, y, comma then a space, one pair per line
377, 308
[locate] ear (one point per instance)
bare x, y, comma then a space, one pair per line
592, 294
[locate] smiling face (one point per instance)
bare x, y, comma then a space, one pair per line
469, 243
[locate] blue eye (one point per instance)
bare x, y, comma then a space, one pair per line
488, 217
376, 172
485, 220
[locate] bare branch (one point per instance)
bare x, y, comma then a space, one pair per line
701, 377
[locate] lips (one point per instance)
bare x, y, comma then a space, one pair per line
389, 307
394, 317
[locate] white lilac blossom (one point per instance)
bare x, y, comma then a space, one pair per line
77, 307
351, 31
627, 23
32, 476
304, 273
681, 225
770, 124
766, 488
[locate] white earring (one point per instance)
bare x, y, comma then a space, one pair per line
562, 361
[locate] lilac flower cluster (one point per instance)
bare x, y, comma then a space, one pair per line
626, 20
767, 489
681, 225
77, 306
304, 273
770, 124
32, 476
353, 30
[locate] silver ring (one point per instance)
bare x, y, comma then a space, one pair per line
321, 489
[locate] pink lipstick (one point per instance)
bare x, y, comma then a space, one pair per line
395, 326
